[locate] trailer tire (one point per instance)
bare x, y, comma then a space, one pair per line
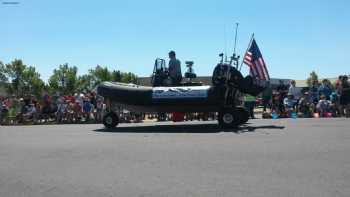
229, 118
110, 120
243, 115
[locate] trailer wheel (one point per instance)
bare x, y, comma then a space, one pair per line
110, 120
243, 115
229, 118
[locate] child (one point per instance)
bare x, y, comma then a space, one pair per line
289, 104
99, 109
304, 105
323, 106
87, 109
62, 110
77, 110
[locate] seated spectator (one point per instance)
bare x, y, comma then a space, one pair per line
23, 109
323, 106
31, 113
304, 106
277, 103
289, 104
282, 90
70, 111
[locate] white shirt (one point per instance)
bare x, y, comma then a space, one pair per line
295, 91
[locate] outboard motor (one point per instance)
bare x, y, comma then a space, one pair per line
229, 76
225, 74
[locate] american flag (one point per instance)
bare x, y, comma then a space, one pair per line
257, 67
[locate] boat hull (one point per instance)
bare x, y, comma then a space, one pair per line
162, 99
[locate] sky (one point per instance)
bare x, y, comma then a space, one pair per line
295, 37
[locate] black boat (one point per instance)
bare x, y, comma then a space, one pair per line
222, 96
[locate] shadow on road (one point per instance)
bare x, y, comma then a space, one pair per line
186, 128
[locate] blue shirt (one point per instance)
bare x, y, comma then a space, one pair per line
290, 103
87, 107
324, 90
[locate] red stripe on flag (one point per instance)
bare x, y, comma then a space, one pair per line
267, 72
263, 68
249, 58
258, 68
254, 71
249, 63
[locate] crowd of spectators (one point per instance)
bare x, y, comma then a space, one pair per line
78, 108
318, 100
285, 101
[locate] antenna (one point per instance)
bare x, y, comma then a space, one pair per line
235, 58
234, 50
225, 40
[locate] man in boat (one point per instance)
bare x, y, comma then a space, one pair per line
174, 69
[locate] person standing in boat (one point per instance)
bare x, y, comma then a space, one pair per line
175, 73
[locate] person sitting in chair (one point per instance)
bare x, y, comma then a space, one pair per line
175, 73
290, 104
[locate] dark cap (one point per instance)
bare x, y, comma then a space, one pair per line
172, 53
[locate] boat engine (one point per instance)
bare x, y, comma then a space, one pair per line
225, 75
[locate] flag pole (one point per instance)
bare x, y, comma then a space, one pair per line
250, 43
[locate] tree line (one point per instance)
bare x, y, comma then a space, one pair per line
20, 79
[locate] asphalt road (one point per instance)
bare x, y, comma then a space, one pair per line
304, 157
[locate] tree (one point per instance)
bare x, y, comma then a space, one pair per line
100, 74
129, 78
33, 84
3, 78
117, 76
64, 79
14, 72
84, 82
23, 79
313, 79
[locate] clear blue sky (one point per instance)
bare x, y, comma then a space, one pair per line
295, 37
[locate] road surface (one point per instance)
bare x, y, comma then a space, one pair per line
303, 157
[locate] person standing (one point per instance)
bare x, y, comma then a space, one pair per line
295, 91
345, 96
313, 91
175, 73
249, 103
325, 89
267, 97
